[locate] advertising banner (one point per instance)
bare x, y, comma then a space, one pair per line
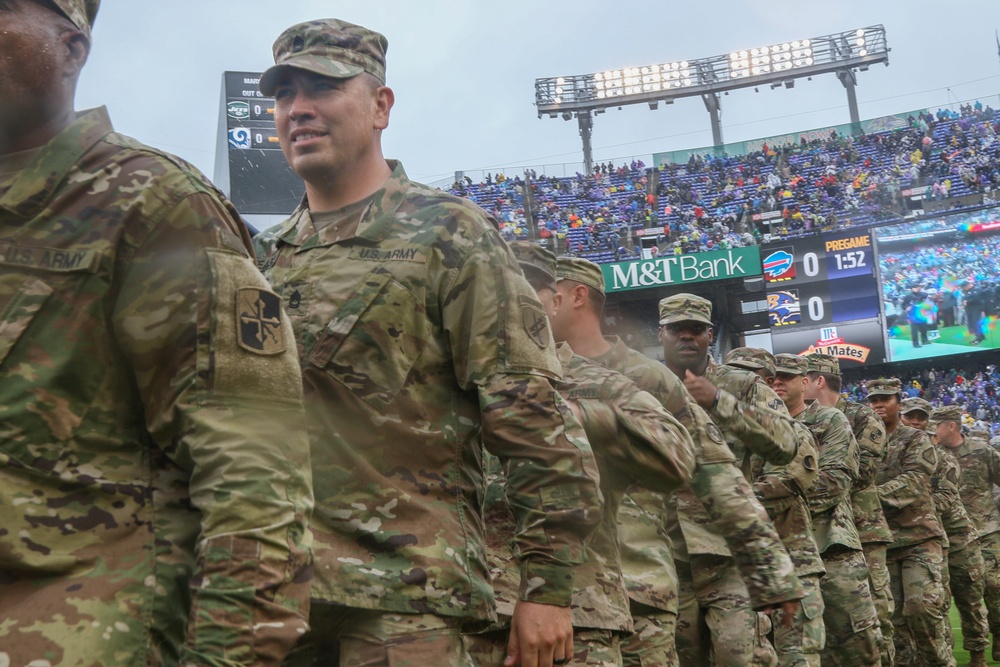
855, 344
682, 269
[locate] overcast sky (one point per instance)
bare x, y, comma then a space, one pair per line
463, 71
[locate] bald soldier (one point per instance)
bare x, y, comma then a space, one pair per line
980, 471
635, 441
849, 614
154, 484
824, 386
721, 512
420, 341
715, 610
915, 556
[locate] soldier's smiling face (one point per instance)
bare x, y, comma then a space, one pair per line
327, 126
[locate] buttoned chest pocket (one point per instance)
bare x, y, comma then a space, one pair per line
18, 313
372, 342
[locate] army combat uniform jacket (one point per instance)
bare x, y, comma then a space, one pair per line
904, 487
420, 339
980, 470
869, 431
634, 440
955, 521
152, 463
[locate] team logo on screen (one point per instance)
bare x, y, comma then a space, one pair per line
779, 265
239, 138
238, 109
783, 308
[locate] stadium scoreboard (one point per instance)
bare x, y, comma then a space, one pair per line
820, 280
258, 177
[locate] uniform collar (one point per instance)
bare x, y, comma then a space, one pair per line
33, 189
376, 221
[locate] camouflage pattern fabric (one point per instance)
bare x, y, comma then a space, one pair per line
715, 624
966, 583
591, 648
980, 471
718, 508
421, 341
802, 644
915, 557
154, 487
653, 642
915, 575
904, 487
752, 417
869, 518
960, 531
81, 12
328, 47
852, 631
348, 637
634, 440
685, 308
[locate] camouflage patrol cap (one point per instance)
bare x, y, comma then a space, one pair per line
884, 387
979, 433
81, 12
751, 358
790, 364
582, 271
913, 404
329, 47
685, 307
951, 413
538, 263
823, 363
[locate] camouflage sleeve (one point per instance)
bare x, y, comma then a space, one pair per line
796, 478
502, 348
760, 556
914, 481
230, 417
870, 434
993, 461
838, 463
761, 421
644, 442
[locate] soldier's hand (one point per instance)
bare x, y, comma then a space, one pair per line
702, 391
788, 610
539, 634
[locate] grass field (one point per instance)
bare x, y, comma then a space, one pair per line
962, 656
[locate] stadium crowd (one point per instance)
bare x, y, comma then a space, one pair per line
710, 201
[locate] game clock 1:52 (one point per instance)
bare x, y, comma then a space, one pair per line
820, 280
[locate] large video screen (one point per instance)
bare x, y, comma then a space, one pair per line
940, 285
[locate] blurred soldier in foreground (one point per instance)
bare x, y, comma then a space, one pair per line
869, 519
964, 568
980, 471
154, 489
420, 342
717, 603
849, 614
634, 440
915, 558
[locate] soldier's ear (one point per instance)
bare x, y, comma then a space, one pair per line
77, 48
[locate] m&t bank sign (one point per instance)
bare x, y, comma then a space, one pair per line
682, 269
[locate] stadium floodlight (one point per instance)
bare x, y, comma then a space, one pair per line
843, 53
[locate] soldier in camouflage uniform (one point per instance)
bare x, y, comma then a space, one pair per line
635, 441
964, 567
420, 341
980, 471
852, 631
722, 514
154, 489
915, 557
782, 491
714, 609
824, 386
760, 362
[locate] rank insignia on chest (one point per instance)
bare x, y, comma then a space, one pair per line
258, 321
